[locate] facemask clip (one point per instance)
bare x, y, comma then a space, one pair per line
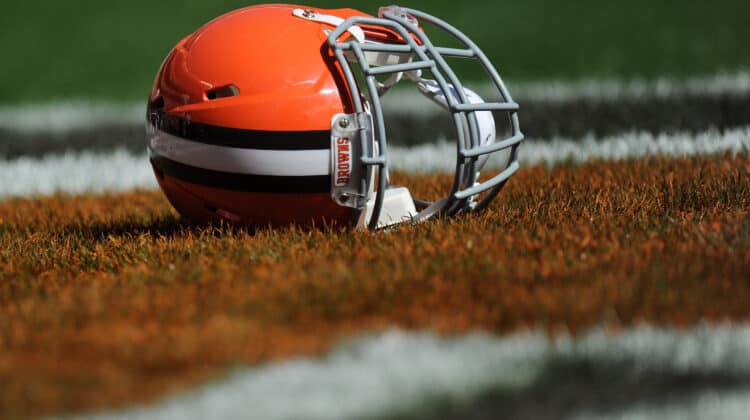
349, 182
334, 21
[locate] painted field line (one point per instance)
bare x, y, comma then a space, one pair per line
405, 100
75, 172
122, 170
65, 116
726, 83
398, 373
440, 157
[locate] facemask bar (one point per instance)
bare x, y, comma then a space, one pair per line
426, 57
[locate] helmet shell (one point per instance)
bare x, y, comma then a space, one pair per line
258, 75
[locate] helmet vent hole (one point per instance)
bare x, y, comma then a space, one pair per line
222, 92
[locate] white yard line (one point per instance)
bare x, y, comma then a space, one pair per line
401, 373
77, 172
404, 100
64, 116
440, 157
726, 83
727, 405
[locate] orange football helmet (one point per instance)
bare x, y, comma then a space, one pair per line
271, 114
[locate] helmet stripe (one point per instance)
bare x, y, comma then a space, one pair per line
242, 182
238, 137
239, 160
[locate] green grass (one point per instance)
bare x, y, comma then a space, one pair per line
111, 50
110, 299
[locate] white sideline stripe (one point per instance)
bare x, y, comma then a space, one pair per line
64, 116
242, 161
399, 373
121, 170
724, 83
76, 172
440, 157
404, 99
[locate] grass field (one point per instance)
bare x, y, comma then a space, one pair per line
627, 228
112, 50
110, 299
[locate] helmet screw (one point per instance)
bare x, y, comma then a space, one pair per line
308, 13
344, 122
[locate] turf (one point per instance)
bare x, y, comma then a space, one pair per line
111, 50
107, 300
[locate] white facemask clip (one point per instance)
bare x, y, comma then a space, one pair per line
331, 20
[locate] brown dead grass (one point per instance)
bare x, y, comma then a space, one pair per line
106, 300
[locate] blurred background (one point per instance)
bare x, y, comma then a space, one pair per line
111, 50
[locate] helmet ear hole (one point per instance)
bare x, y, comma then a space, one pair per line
222, 92
157, 104
159, 173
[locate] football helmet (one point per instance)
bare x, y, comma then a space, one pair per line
271, 114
